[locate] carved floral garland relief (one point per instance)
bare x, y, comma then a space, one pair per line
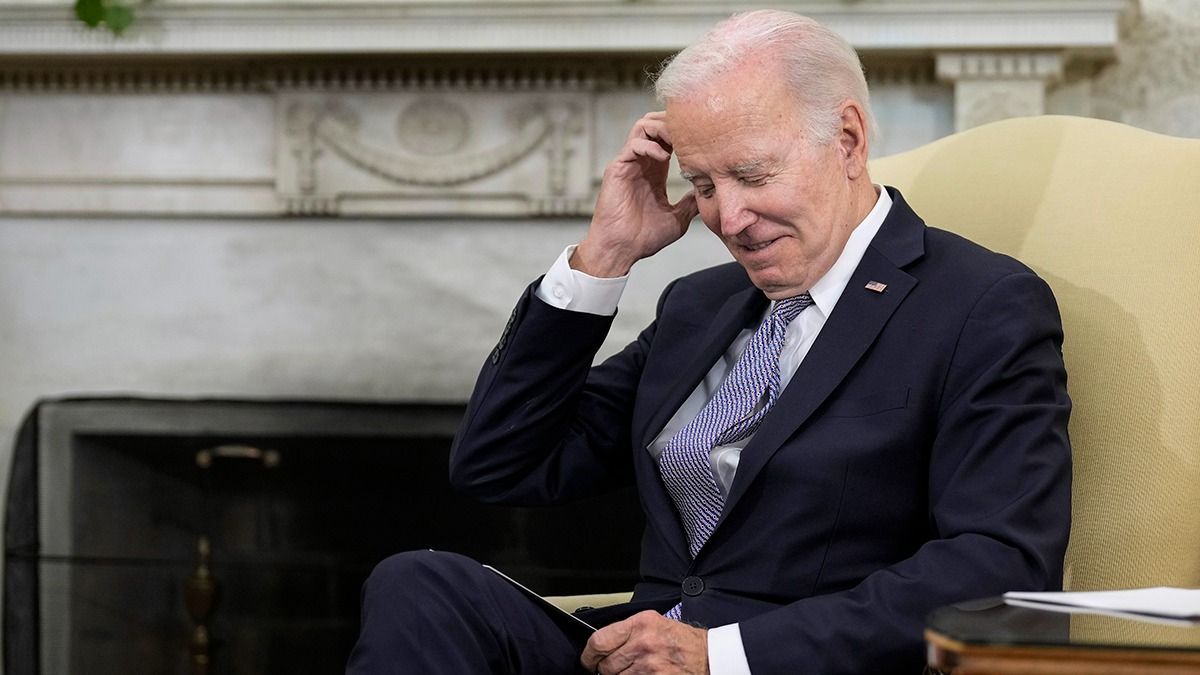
441, 147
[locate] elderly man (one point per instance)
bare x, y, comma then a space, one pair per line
861, 419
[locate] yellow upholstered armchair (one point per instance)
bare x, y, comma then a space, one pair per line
1109, 216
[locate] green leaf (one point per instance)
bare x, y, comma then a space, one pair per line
90, 12
118, 18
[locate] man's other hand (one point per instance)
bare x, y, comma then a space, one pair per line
633, 218
647, 642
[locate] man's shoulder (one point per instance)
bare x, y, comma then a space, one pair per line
955, 274
955, 255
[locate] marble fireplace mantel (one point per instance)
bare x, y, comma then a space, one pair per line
182, 27
497, 108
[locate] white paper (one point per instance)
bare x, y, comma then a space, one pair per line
1161, 601
1068, 609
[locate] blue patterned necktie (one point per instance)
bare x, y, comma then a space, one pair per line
734, 412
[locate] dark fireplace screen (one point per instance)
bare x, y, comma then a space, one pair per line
170, 536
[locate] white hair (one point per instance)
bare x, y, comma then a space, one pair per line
823, 69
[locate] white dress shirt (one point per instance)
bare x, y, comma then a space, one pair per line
573, 290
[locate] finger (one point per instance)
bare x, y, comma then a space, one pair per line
621, 660
590, 660
656, 117
686, 209
651, 127
647, 148
613, 665
642, 631
602, 643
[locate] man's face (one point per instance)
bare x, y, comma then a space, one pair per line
783, 207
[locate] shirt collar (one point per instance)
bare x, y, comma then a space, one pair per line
828, 289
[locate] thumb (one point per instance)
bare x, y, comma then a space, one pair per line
604, 642
686, 208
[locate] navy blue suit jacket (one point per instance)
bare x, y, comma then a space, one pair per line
918, 457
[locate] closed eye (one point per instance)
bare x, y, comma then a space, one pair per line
753, 181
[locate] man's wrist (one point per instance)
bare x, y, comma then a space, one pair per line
600, 261
570, 289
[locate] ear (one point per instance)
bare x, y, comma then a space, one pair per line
852, 139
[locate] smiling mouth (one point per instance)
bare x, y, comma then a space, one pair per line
758, 247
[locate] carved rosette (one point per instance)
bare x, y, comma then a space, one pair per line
442, 152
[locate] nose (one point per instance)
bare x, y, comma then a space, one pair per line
732, 212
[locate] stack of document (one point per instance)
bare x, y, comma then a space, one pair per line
1171, 605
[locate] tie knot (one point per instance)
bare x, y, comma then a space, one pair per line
789, 308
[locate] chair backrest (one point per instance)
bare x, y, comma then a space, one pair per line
1109, 216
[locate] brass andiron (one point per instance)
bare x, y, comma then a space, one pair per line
202, 590
200, 595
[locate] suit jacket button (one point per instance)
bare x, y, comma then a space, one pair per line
693, 586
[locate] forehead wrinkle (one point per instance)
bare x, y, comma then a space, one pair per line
744, 168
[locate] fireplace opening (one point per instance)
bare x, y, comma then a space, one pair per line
234, 537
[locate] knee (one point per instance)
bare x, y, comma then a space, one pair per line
412, 570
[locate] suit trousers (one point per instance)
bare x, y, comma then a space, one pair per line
427, 612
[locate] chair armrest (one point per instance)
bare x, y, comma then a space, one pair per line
570, 603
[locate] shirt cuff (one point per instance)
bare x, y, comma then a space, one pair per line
570, 289
726, 655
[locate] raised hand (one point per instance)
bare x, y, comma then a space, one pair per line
633, 218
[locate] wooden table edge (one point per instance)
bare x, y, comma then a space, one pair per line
949, 654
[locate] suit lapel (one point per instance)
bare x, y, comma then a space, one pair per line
742, 310
858, 318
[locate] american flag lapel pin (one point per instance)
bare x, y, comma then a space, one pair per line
876, 286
